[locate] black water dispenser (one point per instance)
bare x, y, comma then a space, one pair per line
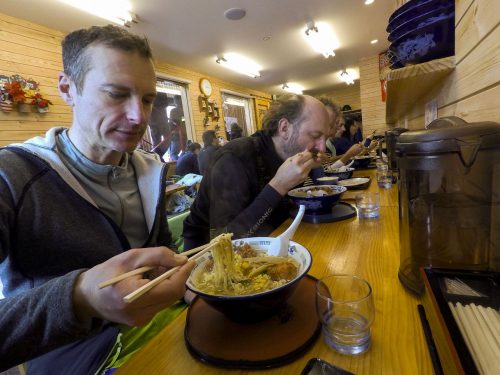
449, 198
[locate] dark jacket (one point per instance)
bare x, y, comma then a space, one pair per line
205, 156
187, 163
234, 195
50, 232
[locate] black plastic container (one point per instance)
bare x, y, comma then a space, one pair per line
449, 198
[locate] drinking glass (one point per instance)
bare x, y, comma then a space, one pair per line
368, 205
384, 179
344, 304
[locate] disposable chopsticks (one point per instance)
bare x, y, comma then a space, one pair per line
146, 287
144, 269
480, 328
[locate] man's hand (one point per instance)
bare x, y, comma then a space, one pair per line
108, 304
295, 170
354, 150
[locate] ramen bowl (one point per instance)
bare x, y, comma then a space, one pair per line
259, 305
318, 199
342, 173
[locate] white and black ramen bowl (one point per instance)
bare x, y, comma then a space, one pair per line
257, 306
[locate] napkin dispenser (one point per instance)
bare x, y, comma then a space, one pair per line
449, 198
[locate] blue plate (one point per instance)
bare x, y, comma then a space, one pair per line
421, 21
433, 41
415, 9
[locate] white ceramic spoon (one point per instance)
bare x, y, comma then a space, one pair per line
283, 240
278, 246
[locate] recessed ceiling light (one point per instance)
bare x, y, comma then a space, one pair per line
374, 41
368, 2
235, 14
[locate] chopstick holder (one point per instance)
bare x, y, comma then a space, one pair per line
146, 287
144, 269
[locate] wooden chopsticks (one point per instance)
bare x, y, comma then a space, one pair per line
132, 296
121, 277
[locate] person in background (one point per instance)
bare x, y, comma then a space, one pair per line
235, 132
159, 124
188, 161
210, 145
106, 204
243, 191
346, 140
337, 127
350, 137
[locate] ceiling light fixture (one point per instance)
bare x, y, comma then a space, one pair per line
321, 38
239, 64
374, 41
346, 77
117, 11
293, 88
368, 2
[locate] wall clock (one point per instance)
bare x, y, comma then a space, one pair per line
205, 87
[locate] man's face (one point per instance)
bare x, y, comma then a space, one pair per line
333, 120
110, 114
340, 127
310, 131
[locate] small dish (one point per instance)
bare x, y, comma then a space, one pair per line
341, 173
355, 183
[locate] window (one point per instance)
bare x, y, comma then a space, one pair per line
169, 124
237, 111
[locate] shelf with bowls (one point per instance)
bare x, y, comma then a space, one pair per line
405, 86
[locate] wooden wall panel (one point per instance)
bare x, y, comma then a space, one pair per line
477, 108
481, 18
343, 95
34, 51
373, 108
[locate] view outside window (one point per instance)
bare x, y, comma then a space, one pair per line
237, 117
169, 125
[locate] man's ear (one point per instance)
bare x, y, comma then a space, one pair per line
64, 86
284, 129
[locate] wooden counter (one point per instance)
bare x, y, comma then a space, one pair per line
368, 248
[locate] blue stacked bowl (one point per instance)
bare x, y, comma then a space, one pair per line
422, 30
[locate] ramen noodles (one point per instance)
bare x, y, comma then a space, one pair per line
241, 269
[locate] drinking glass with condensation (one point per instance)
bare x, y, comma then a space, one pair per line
344, 304
368, 205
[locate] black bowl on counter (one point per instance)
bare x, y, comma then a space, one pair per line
361, 162
318, 199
